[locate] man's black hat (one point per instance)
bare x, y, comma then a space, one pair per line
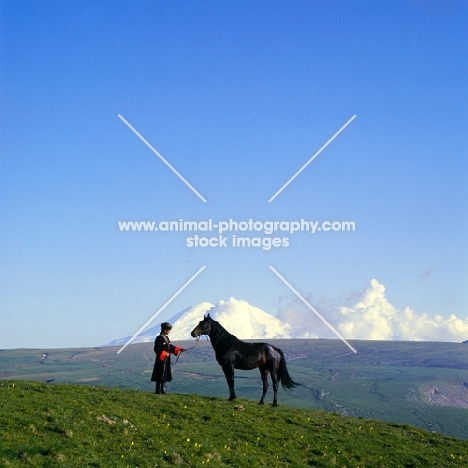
165, 326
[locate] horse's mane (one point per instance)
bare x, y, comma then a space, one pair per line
222, 334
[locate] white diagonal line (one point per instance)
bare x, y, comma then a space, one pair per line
312, 158
310, 307
161, 309
161, 157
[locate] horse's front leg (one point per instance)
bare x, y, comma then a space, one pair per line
228, 370
264, 374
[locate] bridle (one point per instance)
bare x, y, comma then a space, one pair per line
196, 342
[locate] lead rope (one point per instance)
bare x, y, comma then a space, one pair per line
189, 349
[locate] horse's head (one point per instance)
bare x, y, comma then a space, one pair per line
203, 328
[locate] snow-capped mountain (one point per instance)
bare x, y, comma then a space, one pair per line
237, 316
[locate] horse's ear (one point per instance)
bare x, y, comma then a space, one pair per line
207, 316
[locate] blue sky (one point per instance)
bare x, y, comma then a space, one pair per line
237, 96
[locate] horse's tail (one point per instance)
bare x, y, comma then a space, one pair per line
286, 381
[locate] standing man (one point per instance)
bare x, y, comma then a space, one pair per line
162, 366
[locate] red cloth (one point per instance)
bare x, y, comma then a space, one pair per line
177, 350
163, 355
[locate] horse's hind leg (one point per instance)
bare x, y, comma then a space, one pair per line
264, 374
274, 379
228, 370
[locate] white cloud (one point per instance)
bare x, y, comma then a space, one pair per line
373, 317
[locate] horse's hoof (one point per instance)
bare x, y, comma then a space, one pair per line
260, 402
231, 398
274, 404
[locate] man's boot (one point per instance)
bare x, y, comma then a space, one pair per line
158, 387
163, 388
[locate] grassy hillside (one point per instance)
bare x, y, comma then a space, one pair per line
421, 384
55, 425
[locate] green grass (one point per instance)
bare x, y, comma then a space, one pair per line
64, 425
389, 381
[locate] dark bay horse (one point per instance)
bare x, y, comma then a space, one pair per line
232, 353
